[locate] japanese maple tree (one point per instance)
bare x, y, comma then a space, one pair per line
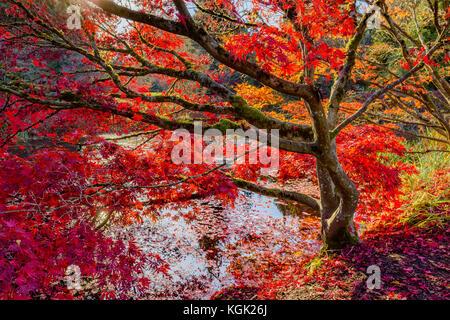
68, 83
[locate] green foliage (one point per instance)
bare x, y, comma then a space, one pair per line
426, 192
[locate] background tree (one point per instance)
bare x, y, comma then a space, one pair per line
421, 105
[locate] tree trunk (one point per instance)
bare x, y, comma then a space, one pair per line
339, 200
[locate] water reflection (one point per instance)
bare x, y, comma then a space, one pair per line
202, 241
299, 210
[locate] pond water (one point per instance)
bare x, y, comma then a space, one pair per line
201, 241
195, 242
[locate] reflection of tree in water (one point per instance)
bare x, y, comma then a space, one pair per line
294, 209
287, 208
212, 225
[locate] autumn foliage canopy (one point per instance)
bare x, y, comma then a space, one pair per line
69, 96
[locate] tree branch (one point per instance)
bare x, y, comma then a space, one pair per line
278, 193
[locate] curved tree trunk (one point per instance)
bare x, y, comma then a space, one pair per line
339, 200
